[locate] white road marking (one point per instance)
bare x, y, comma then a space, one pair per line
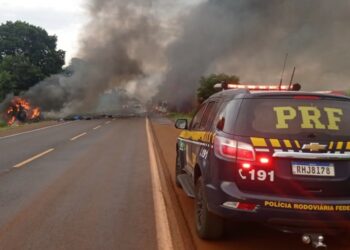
162, 223
108, 122
33, 158
99, 126
78, 136
34, 130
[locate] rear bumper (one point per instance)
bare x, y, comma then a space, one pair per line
287, 214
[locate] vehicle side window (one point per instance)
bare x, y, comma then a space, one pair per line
230, 114
220, 114
208, 116
196, 121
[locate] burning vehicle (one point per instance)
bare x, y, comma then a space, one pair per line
22, 111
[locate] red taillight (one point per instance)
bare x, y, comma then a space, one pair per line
246, 165
229, 150
225, 147
245, 154
233, 149
264, 160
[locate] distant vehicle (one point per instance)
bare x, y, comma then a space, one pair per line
73, 118
281, 158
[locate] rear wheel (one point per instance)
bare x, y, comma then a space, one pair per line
179, 169
209, 226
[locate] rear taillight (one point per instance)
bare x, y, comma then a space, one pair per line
232, 149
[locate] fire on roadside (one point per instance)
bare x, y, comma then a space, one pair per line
21, 110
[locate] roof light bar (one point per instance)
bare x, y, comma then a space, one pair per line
257, 87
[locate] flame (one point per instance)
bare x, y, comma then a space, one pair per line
21, 110
11, 121
35, 113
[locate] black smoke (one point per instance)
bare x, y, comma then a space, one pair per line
250, 38
116, 45
163, 48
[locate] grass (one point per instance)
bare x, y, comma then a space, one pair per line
3, 125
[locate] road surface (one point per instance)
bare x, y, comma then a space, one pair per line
91, 185
78, 185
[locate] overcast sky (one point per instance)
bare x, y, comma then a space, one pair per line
63, 18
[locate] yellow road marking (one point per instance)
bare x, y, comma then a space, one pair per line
162, 224
78, 136
33, 158
99, 126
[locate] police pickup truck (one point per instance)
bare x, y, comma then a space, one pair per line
281, 158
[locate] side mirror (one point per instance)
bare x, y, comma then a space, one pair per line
181, 124
221, 123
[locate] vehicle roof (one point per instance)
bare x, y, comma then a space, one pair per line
244, 93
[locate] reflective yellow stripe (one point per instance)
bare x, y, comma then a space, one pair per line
275, 143
185, 134
340, 145
258, 142
348, 146
287, 143
331, 145
297, 143
196, 136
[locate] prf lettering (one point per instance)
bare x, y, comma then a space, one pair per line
310, 117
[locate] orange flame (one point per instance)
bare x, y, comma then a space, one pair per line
21, 110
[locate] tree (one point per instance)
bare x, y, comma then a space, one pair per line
27, 55
206, 88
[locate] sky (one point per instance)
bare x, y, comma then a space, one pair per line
63, 18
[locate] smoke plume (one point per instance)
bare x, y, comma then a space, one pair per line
119, 46
250, 38
163, 48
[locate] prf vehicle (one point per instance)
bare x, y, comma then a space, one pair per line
281, 158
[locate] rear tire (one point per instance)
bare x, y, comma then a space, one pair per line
209, 226
178, 169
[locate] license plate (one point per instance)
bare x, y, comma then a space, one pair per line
313, 169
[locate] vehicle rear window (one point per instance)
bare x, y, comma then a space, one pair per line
294, 117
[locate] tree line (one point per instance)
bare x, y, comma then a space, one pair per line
28, 54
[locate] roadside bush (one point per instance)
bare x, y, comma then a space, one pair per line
3, 124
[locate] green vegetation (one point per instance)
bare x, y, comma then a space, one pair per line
3, 124
27, 56
174, 116
207, 84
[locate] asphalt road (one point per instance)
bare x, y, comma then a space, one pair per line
78, 185
90, 185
